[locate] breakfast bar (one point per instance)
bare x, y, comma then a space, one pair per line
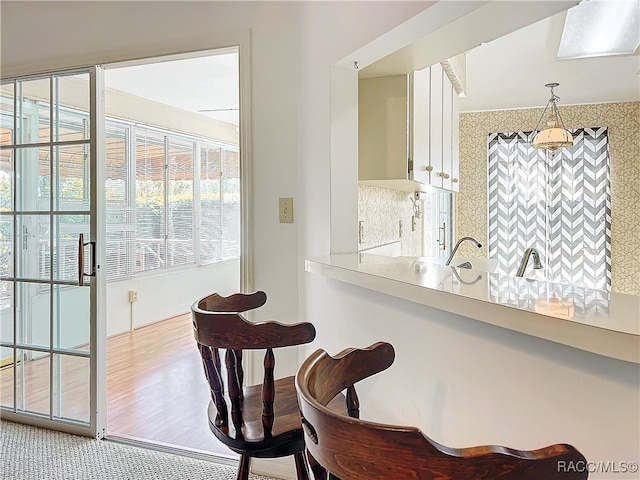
605, 323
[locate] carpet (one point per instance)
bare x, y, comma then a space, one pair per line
32, 453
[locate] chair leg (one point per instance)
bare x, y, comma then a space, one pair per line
319, 473
243, 468
301, 466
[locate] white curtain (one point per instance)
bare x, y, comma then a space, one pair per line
559, 204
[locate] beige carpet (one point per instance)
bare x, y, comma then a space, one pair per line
31, 453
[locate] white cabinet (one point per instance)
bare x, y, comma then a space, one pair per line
455, 142
408, 131
435, 129
419, 125
383, 129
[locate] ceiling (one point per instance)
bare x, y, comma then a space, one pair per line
511, 50
511, 71
506, 73
208, 85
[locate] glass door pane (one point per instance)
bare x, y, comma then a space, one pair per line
45, 205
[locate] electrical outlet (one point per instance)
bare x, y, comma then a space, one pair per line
361, 232
399, 228
286, 210
133, 296
413, 223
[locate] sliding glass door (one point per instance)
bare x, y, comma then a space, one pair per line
50, 277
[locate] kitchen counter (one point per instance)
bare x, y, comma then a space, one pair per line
592, 320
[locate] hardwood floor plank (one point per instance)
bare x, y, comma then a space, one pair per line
156, 389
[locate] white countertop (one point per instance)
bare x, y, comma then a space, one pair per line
593, 320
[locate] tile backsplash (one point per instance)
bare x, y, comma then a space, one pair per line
380, 210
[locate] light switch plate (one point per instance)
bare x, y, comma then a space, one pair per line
285, 207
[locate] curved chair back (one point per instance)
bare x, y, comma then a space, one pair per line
260, 420
353, 449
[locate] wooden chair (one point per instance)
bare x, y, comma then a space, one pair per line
353, 449
260, 421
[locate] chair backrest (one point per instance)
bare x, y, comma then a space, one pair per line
354, 449
218, 323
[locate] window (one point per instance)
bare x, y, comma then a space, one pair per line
560, 205
44, 157
169, 216
154, 218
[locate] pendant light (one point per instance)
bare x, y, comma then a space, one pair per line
554, 135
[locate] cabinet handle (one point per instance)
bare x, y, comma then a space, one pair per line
428, 168
443, 243
454, 180
443, 175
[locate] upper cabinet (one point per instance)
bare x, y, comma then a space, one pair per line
383, 129
408, 131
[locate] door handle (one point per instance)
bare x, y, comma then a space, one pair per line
443, 244
81, 273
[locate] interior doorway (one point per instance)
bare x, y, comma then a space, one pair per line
173, 228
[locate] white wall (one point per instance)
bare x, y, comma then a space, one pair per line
466, 383
463, 382
472, 381
293, 48
165, 295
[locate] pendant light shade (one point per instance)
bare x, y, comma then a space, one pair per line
552, 138
555, 135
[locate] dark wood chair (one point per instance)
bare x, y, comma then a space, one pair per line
353, 449
260, 421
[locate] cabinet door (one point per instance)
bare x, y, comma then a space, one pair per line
419, 125
447, 133
455, 144
435, 123
383, 128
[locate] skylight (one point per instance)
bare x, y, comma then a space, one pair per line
597, 28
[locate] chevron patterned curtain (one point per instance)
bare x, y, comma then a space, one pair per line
560, 205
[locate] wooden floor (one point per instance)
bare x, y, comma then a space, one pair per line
156, 389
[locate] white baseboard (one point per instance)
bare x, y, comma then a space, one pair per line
283, 468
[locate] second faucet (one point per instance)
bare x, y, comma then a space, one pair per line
537, 264
455, 249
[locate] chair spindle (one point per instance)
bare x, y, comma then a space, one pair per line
211, 364
234, 390
268, 391
240, 371
318, 471
353, 403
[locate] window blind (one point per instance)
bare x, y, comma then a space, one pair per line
180, 218
211, 212
150, 158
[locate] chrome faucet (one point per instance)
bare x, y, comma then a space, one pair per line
455, 249
529, 252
